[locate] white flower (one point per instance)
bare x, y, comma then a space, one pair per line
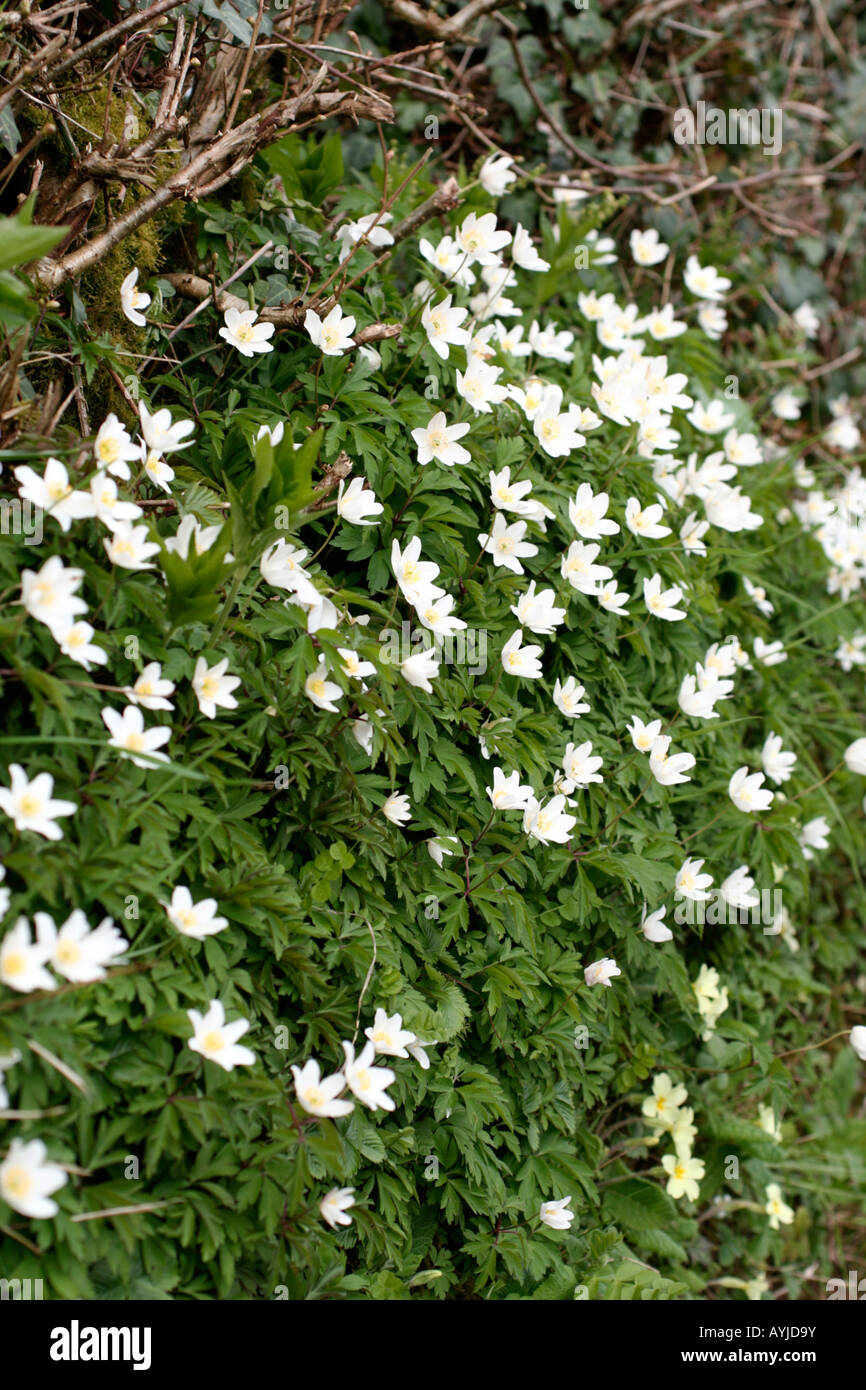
107, 506
357, 504
851, 653
645, 247
75, 642
397, 809
113, 448
580, 767
129, 547
31, 805
217, 1040
662, 1106
566, 193
669, 770
7, 1060
241, 331
777, 1209
202, 537
653, 926
705, 282
506, 544
49, 595
684, 1174
479, 386
645, 521
857, 1039
556, 1214
132, 301
496, 174
568, 698
662, 603
419, 670
586, 513
365, 1081
371, 229
197, 920
438, 847
579, 568
213, 687
746, 790
438, 440
335, 1204
130, 736
769, 653
537, 611
518, 660
333, 333
806, 318
786, 404
317, 1094
479, 239
557, 431
661, 324
5, 898
282, 566
855, 757
449, 260
388, 1036
713, 320
437, 617
156, 468
150, 689
321, 691
523, 251
737, 889
160, 434
691, 883
549, 823
507, 793
710, 419
353, 666
643, 736
442, 326
814, 836
362, 733
601, 972
768, 1122
74, 950
778, 764
613, 599
27, 1179
54, 493
22, 961
414, 575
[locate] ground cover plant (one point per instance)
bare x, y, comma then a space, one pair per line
432, 651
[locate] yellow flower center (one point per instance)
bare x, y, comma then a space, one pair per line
17, 1182
244, 331
108, 449
29, 804
68, 952
209, 687
214, 1041
135, 742
14, 963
